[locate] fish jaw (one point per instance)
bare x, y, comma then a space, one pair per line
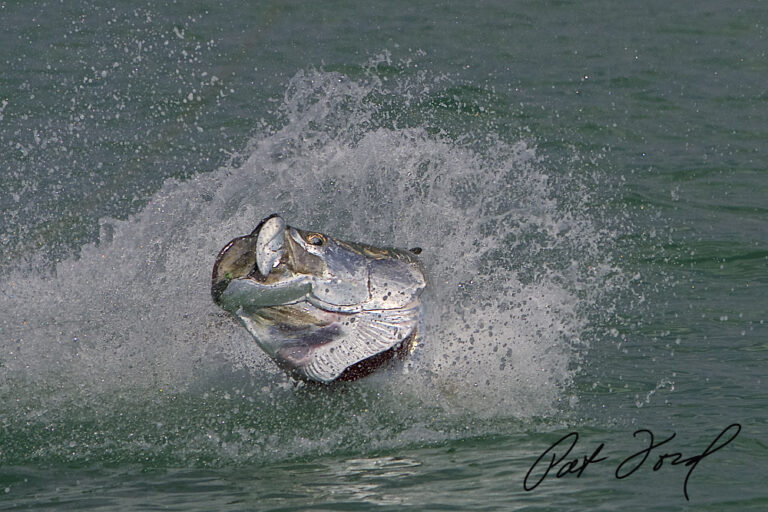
249, 294
270, 243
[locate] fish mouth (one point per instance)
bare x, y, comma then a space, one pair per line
235, 261
272, 248
250, 256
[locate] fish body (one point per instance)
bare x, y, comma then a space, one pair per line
323, 309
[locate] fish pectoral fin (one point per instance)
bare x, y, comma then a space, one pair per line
364, 335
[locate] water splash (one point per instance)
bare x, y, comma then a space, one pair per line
514, 254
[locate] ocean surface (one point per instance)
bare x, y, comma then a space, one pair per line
589, 184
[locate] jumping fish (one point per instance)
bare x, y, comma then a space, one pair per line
323, 309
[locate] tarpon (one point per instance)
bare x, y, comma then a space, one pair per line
323, 309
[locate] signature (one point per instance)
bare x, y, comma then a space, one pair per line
559, 463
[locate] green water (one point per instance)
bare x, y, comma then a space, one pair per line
587, 182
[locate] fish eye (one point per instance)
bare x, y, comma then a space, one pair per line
316, 239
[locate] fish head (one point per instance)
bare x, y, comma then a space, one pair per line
299, 293
332, 274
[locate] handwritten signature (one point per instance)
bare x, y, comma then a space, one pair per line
561, 465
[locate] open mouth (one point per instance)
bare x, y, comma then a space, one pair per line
236, 260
